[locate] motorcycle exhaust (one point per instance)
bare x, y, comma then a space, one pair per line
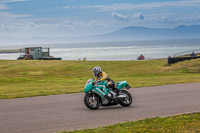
127, 86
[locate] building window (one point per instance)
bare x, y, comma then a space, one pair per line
31, 50
45, 50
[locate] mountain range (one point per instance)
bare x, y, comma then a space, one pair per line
143, 33
123, 34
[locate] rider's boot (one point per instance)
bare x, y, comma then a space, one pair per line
116, 90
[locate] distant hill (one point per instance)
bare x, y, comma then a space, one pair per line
123, 34
143, 33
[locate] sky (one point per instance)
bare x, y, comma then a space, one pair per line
71, 18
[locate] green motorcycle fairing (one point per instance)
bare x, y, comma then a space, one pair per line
121, 85
88, 85
101, 89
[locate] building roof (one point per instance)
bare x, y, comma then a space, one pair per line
35, 47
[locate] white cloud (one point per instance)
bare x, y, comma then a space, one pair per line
168, 20
138, 15
3, 7
22, 23
159, 20
196, 15
67, 7
6, 15
8, 1
3, 3
118, 16
145, 6
28, 27
132, 17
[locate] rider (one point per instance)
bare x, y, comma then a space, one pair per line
100, 76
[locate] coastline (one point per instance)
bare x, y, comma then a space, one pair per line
9, 51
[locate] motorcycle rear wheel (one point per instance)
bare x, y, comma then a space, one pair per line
92, 101
127, 101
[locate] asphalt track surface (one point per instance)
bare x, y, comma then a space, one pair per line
48, 114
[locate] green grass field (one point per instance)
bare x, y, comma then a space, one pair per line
186, 123
23, 78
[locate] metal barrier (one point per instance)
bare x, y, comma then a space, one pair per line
172, 60
187, 52
184, 56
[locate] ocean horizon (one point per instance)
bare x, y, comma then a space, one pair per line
113, 51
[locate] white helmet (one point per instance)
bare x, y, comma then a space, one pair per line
96, 70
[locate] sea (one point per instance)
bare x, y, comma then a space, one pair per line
113, 51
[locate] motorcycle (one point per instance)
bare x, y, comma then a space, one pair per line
99, 94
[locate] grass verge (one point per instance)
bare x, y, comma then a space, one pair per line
23, 78
186, 123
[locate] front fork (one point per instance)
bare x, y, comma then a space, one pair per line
93, 97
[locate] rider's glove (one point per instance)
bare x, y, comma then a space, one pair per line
98, 81
93, 83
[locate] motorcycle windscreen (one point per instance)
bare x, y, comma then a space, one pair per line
88, 85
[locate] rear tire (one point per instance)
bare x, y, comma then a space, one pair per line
92, 101
127, 101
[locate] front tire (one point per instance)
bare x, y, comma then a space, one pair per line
127, 101
92, 101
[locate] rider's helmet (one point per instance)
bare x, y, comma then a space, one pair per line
96, 70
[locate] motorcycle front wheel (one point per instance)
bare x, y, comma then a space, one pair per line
127, 101
92, 101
